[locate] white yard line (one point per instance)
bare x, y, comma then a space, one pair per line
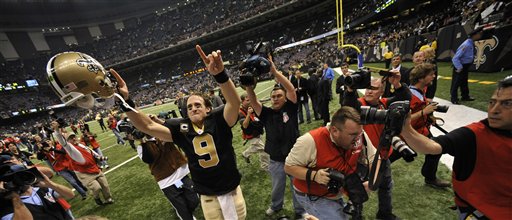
123, 163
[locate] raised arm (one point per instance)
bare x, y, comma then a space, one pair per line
140, 120
70, 149
215, 67
253, 99
287, 85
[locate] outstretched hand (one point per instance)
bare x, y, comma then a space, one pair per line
122, 88
273, 68
213, 61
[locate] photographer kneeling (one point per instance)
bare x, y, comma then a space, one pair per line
324, 159
372, 98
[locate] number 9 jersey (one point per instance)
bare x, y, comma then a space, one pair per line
210, 153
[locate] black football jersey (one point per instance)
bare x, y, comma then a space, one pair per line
211, 157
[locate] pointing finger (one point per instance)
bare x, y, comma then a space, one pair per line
202, 54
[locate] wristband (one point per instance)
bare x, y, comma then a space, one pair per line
127, 106
222, 77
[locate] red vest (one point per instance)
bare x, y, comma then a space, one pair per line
489, 187
113, 123
94, 143
420, 124
244, 113
59, 161
328, 156
375, 130
90, 164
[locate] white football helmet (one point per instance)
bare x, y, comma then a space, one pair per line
78, 79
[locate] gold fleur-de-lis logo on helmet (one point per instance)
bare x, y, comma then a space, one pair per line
480, 46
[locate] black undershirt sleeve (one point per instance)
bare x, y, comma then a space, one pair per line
461, 144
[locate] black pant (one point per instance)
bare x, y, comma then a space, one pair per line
324, 110
429, 168
316, 108
388, 62
102, 125
184, 199
460, 80
385, 190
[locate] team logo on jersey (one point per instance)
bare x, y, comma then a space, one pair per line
48, 196
285, 117
480, 46
184, 127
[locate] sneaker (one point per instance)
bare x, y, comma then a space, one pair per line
106, 166
437, 183
468, 99
84, 197
270, 212
109, 201
98, 201
389, 216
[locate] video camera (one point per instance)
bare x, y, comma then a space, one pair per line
358, 80
256, 64
127, 127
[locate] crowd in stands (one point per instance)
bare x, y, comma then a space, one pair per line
158, 31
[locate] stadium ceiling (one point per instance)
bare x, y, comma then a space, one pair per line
58, 13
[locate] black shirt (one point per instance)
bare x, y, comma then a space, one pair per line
211, 157
282, 129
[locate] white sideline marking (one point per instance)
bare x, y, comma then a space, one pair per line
123, 163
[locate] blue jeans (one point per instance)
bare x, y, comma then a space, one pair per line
304, 103
72, 179
118, 136
278, 176
323, 208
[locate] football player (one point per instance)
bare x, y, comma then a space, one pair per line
206, 138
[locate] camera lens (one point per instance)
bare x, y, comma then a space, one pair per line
405, 151
371, 115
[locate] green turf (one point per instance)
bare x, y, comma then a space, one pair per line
137, 194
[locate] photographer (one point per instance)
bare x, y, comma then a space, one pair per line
125, 126
84, 164
281, 125
396, 64
482, 152
336, 147
422, 76
89, 139
374, 131
301, 86
11, 206
252, 129
169, 168
43, 200
61, 163
206, 138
